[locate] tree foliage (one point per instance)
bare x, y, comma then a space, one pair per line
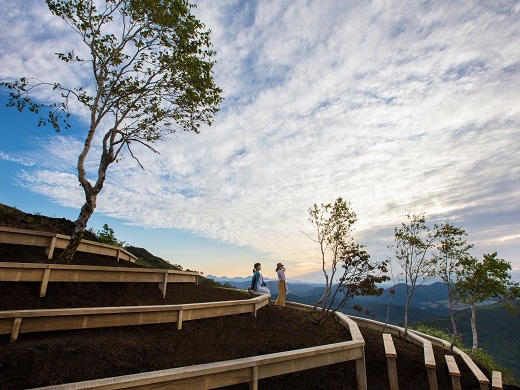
411, 250
151, 66
482, 280
452, 251
346, 265
107, 236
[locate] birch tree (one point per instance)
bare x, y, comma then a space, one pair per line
151, 66
483, 280
452, 251
411, 250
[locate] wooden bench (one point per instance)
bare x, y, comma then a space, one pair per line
496, 380
454, 372
391, 359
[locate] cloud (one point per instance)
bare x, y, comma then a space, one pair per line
402, 108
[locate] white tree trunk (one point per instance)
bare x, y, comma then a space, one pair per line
474, 327
454, 337
406, 315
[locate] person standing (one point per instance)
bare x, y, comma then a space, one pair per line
257, 283
282, 285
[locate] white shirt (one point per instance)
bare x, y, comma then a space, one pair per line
281, 275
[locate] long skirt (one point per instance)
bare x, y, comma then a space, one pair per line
282, 292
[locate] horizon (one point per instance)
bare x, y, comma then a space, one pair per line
397, 109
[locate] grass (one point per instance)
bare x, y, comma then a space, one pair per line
481, 357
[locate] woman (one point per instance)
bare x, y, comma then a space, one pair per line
257, 283
282, 285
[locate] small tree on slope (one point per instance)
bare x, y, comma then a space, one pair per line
151, 68
346, 266
413, 242
452, 250
479, 281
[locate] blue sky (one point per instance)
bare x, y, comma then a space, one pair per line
409, 106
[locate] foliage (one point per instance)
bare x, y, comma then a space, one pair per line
413, 241
107, 236
146, 259
479, 281
484, 359
452, 249
346, 265
440, 334
151, 67
481, 357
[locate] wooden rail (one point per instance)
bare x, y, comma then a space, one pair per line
391, 360
481, 378
45, 273
232, 372
496, 380
52, 241
14, 322
415, 337
454, 372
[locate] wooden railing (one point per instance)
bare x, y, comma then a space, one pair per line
420, 338
14, 322
251, 369
52, 241
45, 273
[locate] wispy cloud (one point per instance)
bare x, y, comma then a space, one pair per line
404, 107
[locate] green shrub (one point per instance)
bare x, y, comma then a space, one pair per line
481, 357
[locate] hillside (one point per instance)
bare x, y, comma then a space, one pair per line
497, 333
56, 357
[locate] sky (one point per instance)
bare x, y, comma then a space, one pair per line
398, 107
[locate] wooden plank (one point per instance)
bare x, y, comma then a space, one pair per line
53, 240
31, 272
226, 373
454, 372
496, 380
361, 372
391, 360
82, 318
389, 345
452, 366
16, 329
45, 282
482, 379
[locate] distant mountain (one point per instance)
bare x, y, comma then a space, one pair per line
236, 279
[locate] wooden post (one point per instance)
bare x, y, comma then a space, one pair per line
16, 329
179, 321
162, 286
391, 359
118, 255
45, 282
253, 385
361, 372
496, 380
454, 372
50, 249
431, 367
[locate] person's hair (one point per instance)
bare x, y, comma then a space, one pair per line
255, 267
278, 267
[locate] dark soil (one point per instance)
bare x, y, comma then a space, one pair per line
48, 358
